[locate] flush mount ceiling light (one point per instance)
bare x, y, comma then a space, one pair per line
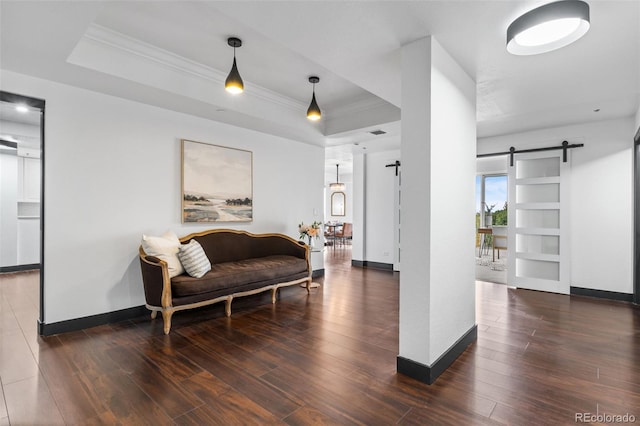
337, 186
314, 113
548, 27
233, 84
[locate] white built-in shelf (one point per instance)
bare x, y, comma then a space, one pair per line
28, 210
538, 180
538, 231
528, 282
538, 256
29, 201
28, 217
538, 206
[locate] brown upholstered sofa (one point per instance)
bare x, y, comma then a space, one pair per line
241, 264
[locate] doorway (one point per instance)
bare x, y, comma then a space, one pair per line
22, 187
491, 227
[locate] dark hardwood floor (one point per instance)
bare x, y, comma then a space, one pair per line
326, 358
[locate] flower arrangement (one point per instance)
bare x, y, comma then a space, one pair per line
309, 231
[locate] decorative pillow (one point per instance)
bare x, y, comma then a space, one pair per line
164, 247
194, 259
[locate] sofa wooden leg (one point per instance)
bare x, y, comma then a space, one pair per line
309, 286
274, 291
166, 317
154, 314
227, 306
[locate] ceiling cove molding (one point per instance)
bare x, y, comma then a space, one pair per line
17, 137
357, 106
116, 40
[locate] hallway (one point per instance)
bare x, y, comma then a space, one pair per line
324, 358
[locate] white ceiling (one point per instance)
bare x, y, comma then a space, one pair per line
8, 112
22, 127
174, 54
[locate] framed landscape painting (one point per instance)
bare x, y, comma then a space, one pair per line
217, 183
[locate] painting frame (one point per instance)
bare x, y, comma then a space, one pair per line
216, 183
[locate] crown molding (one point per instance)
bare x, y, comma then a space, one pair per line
100, 46
119, 41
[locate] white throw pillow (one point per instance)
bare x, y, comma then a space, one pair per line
164, 247
194, 259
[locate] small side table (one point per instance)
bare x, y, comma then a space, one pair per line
317, 257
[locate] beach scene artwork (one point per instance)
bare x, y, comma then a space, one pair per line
216, 183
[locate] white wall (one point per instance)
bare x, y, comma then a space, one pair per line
491, 165
348, 194
601, 208
637, 119
8, 209
453, 202
415, 309
112, 172
380, 207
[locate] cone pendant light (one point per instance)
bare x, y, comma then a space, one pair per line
234, 83
314, 113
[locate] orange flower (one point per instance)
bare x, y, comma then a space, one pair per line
312, 230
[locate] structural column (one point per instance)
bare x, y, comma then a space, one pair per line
359, 198
438, 149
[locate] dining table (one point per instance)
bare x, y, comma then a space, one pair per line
331, 229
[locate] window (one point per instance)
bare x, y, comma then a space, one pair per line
491, 200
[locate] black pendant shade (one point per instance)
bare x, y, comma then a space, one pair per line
314, 113
234, 84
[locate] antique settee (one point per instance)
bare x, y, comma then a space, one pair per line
242, 264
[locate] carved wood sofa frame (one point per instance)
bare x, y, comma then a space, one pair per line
155, 273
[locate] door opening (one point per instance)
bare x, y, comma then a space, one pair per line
22, 147
491, 227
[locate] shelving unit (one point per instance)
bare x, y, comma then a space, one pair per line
28, 209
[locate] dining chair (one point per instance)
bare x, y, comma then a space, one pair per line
330, 234
499, 240
345, 233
